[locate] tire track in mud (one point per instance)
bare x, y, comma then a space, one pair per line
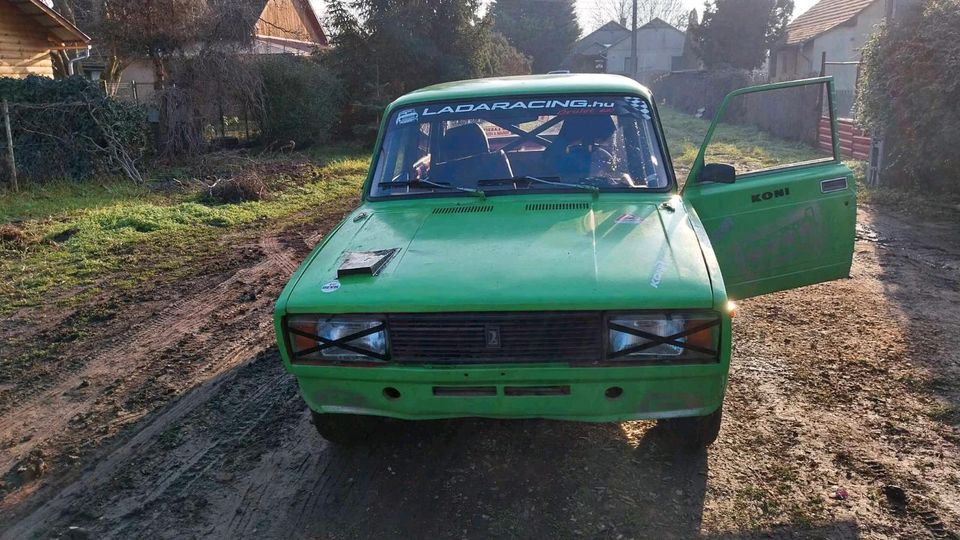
130, 363
237, 458
105, 490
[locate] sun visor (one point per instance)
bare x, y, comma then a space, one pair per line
365, 263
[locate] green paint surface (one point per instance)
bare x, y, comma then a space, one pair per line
504, 254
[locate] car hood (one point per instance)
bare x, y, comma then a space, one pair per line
519, 255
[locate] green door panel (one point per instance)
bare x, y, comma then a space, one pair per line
778, 229
798, 236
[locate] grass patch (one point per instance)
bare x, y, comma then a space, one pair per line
50, 199
745, 147
947, 413
69, 237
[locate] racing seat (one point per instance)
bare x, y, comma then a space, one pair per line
463, 141
465, 157
571, 153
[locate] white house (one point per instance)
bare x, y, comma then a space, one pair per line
831, 30
590, 52
659, 47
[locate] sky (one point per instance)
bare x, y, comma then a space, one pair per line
586, 9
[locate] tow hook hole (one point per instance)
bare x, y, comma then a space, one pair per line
391, 393
613, 392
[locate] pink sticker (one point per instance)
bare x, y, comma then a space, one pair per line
629, 219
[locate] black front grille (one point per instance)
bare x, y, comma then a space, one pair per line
496, 337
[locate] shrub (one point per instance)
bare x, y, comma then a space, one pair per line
301, 101
68, 129
908, 94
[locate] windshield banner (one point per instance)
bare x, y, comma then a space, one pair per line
552, 106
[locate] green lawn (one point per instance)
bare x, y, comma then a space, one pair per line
744, 147
78, 239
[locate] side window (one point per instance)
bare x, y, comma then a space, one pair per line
773, 129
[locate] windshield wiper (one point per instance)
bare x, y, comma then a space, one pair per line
592, 189
413, 183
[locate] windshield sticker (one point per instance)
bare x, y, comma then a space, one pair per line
330, 286
407, 117
629, 219
658, 270
560, 106
639, 105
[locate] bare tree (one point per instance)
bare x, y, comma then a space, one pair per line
605, 11
127, 30
671, 11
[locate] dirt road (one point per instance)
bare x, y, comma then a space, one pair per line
173, 418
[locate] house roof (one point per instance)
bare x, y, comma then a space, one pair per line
653, 24
602, 36
612, 26
657, 22
61, 31
822, 17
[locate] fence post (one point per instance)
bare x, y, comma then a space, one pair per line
11, 161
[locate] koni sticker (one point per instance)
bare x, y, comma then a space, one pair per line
330, 286
767, 195
629, 219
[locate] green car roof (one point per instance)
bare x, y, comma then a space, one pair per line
565, 83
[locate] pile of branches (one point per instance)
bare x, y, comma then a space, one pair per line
69, 130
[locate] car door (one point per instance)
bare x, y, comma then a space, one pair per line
780, 223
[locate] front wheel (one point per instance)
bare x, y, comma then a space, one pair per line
693, 433
349, 429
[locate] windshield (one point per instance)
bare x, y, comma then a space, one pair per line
528, 144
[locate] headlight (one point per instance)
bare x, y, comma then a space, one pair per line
337, 338
682, 337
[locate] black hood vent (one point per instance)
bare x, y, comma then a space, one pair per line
543, 207
461, 209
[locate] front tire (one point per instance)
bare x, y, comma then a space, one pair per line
693, 433
349, 429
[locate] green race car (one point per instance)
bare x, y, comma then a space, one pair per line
523, 250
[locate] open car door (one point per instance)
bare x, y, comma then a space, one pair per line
783, 216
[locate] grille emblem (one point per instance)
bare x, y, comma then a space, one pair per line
492, 336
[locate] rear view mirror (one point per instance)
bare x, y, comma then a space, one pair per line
718, 172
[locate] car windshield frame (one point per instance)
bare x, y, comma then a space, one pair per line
658, 144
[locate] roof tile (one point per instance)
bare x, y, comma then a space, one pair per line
823, 16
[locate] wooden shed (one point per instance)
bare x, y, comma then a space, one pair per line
29, 31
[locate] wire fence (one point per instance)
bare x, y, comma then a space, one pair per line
42, 142
60, 140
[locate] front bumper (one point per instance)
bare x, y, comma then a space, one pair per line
555, 392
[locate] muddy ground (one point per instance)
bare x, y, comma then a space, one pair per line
169, 416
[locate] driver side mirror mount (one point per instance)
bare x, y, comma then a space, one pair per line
720, 173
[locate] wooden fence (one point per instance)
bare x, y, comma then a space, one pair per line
854, 142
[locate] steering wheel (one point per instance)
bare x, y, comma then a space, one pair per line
579, 159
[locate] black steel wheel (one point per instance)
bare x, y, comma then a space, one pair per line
693, 433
